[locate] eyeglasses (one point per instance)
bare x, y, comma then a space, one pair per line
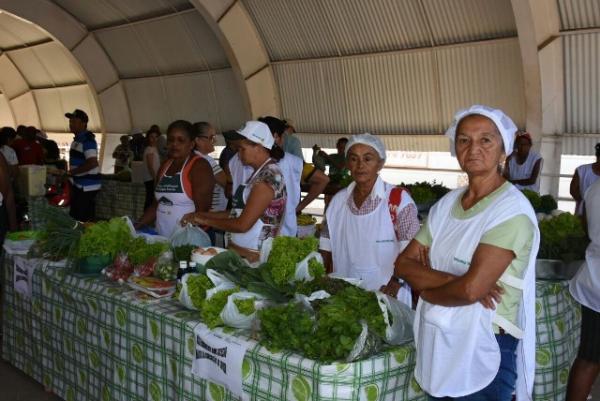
212, 138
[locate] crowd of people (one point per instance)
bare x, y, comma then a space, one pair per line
472, 261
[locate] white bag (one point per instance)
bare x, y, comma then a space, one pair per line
302, 270
184, 297
221, 283
231, 315
306, 300
190, 235
400, 329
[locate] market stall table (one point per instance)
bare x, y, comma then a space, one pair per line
87, 339
120, 198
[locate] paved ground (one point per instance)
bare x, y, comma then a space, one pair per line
16, 386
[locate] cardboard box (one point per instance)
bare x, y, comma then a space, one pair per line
32, 180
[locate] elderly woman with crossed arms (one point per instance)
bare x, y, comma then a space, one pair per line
474, 263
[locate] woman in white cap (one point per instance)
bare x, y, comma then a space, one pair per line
369, 222
474, 263
258, 203
524, 165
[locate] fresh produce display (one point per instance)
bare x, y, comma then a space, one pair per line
183, 252
328, 284
121, 268
541, 204
197, 285
140, 251
104, 238
245, 306
332, 333
60, 236
23, 235
287, 252
211, 309
562, 237
342, 178
306, 220
145, 269
425, 193
166, 268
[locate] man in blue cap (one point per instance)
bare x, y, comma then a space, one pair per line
84, 168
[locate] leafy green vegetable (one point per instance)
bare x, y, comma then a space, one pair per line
245, 306
211, 310
547, 204
286, 253
104, 238
285, 327
328, 284
139, 251
197, 285
533, 198
424, 193
60, 236
183, 252
562, 237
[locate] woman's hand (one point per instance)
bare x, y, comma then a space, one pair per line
391, 288
493, 298
424, 256
193, 218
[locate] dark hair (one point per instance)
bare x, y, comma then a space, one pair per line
6, 134
598, 149
201, 127
184, 126
276, 126
276, 153
154, 128
342, 139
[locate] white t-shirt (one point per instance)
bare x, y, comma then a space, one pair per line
153, 152
10, 155
219, 200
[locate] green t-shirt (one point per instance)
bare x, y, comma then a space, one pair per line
515, 234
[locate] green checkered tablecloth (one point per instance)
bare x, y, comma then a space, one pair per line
118, 198
87, 339
558, 318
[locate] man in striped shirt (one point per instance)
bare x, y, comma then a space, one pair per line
84, 168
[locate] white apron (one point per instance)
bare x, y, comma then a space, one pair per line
251, 238
365, 247
586, 178
585, 286
173, 202
523, 171
457, 352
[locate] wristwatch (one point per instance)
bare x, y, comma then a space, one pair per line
398, 280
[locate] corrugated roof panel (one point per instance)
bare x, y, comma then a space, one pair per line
54, 103
206, 44
582, 83
583, 145
6, 117
293, 29
31, 67
193, 97
578, 14
469, 20
107, 12
313, 94
313, 28
128, 51
15, 32
13, 83
489, 73
392, 93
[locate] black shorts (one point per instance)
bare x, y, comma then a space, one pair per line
589, 347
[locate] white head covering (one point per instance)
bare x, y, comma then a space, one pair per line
505, 125
369, 140
258, 132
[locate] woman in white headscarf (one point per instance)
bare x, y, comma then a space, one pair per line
474, 263
369, 222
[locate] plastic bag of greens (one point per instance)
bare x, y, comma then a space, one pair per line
367, 344
306, 301
398, 319
165, 268
240, 310
193, 290
310, 267
221, 283
190, 235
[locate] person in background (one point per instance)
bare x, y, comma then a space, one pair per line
20, 132
137, 143
319, 158
8, 215
206, 136
150, 166
585, 175
291, 143
9, 153
123, 155
161, 142
337, 161
28, 149
184, 183
368, 223
523, 166
316, 181
228, 152
84, 168
259, 202
473, 262
585, 288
